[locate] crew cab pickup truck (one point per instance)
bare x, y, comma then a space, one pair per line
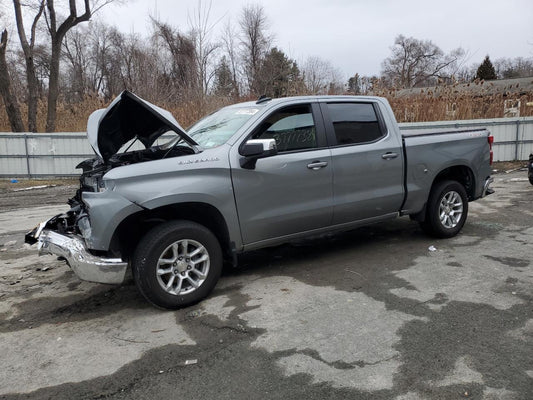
251, 175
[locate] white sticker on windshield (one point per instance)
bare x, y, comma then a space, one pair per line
247, 111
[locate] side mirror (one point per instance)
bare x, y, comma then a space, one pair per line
255, 149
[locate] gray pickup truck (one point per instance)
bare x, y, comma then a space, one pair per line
251, 175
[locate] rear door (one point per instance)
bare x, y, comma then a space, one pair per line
290, 192
367, 161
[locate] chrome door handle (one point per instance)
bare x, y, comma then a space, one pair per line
316, 165
389, 156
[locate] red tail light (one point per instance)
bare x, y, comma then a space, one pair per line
490, 139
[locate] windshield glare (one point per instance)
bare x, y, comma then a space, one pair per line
217, 128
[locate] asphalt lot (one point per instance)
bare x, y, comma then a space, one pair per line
372, 313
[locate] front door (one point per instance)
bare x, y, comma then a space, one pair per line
290, 192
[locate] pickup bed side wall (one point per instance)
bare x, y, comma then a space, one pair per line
429, 155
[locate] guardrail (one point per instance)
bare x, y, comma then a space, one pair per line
42, 155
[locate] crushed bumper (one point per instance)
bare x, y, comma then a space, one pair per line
85, 265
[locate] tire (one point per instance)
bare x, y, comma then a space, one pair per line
531, 180
446, 211
177, 264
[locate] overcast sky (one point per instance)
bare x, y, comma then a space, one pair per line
356, 35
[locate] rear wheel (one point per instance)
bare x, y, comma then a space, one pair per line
447, 209
177, 264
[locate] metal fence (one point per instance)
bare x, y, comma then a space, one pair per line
41, 155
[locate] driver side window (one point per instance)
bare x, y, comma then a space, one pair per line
293, 128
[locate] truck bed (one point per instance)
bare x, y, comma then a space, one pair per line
429, 152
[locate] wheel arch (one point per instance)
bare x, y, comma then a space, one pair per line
130, 230
460, 173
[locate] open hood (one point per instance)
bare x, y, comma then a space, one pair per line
128, 117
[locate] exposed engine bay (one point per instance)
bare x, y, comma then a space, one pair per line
94, 169
91, 180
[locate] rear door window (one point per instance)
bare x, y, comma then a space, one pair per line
354, 123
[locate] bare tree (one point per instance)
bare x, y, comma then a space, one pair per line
418, 62
76, 49
131, 65
205, 48
99, 61
183, 74
518, 67
57, 33
101, 39
336, 84
10, 101
29, 55
317, 74
87, 50
255, 41
229, 38
321, 77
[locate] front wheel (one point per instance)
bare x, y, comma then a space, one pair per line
447, 209
177, 264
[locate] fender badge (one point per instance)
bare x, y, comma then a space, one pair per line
198, 160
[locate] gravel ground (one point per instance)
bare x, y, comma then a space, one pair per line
27, 194
368, 314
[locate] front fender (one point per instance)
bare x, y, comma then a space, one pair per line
106, 211
204, 178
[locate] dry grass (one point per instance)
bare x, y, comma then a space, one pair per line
73, 117
447, 104
452, 103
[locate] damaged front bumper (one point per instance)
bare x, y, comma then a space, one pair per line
71, 247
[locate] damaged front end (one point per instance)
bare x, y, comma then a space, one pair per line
73, 250
62, 236
77, 235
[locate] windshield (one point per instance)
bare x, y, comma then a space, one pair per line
217, 128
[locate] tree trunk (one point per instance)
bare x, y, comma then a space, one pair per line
10, 101
27, 48
57, 35
33, 94
53, 86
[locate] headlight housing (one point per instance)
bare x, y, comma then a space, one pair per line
105, 184
95, 183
